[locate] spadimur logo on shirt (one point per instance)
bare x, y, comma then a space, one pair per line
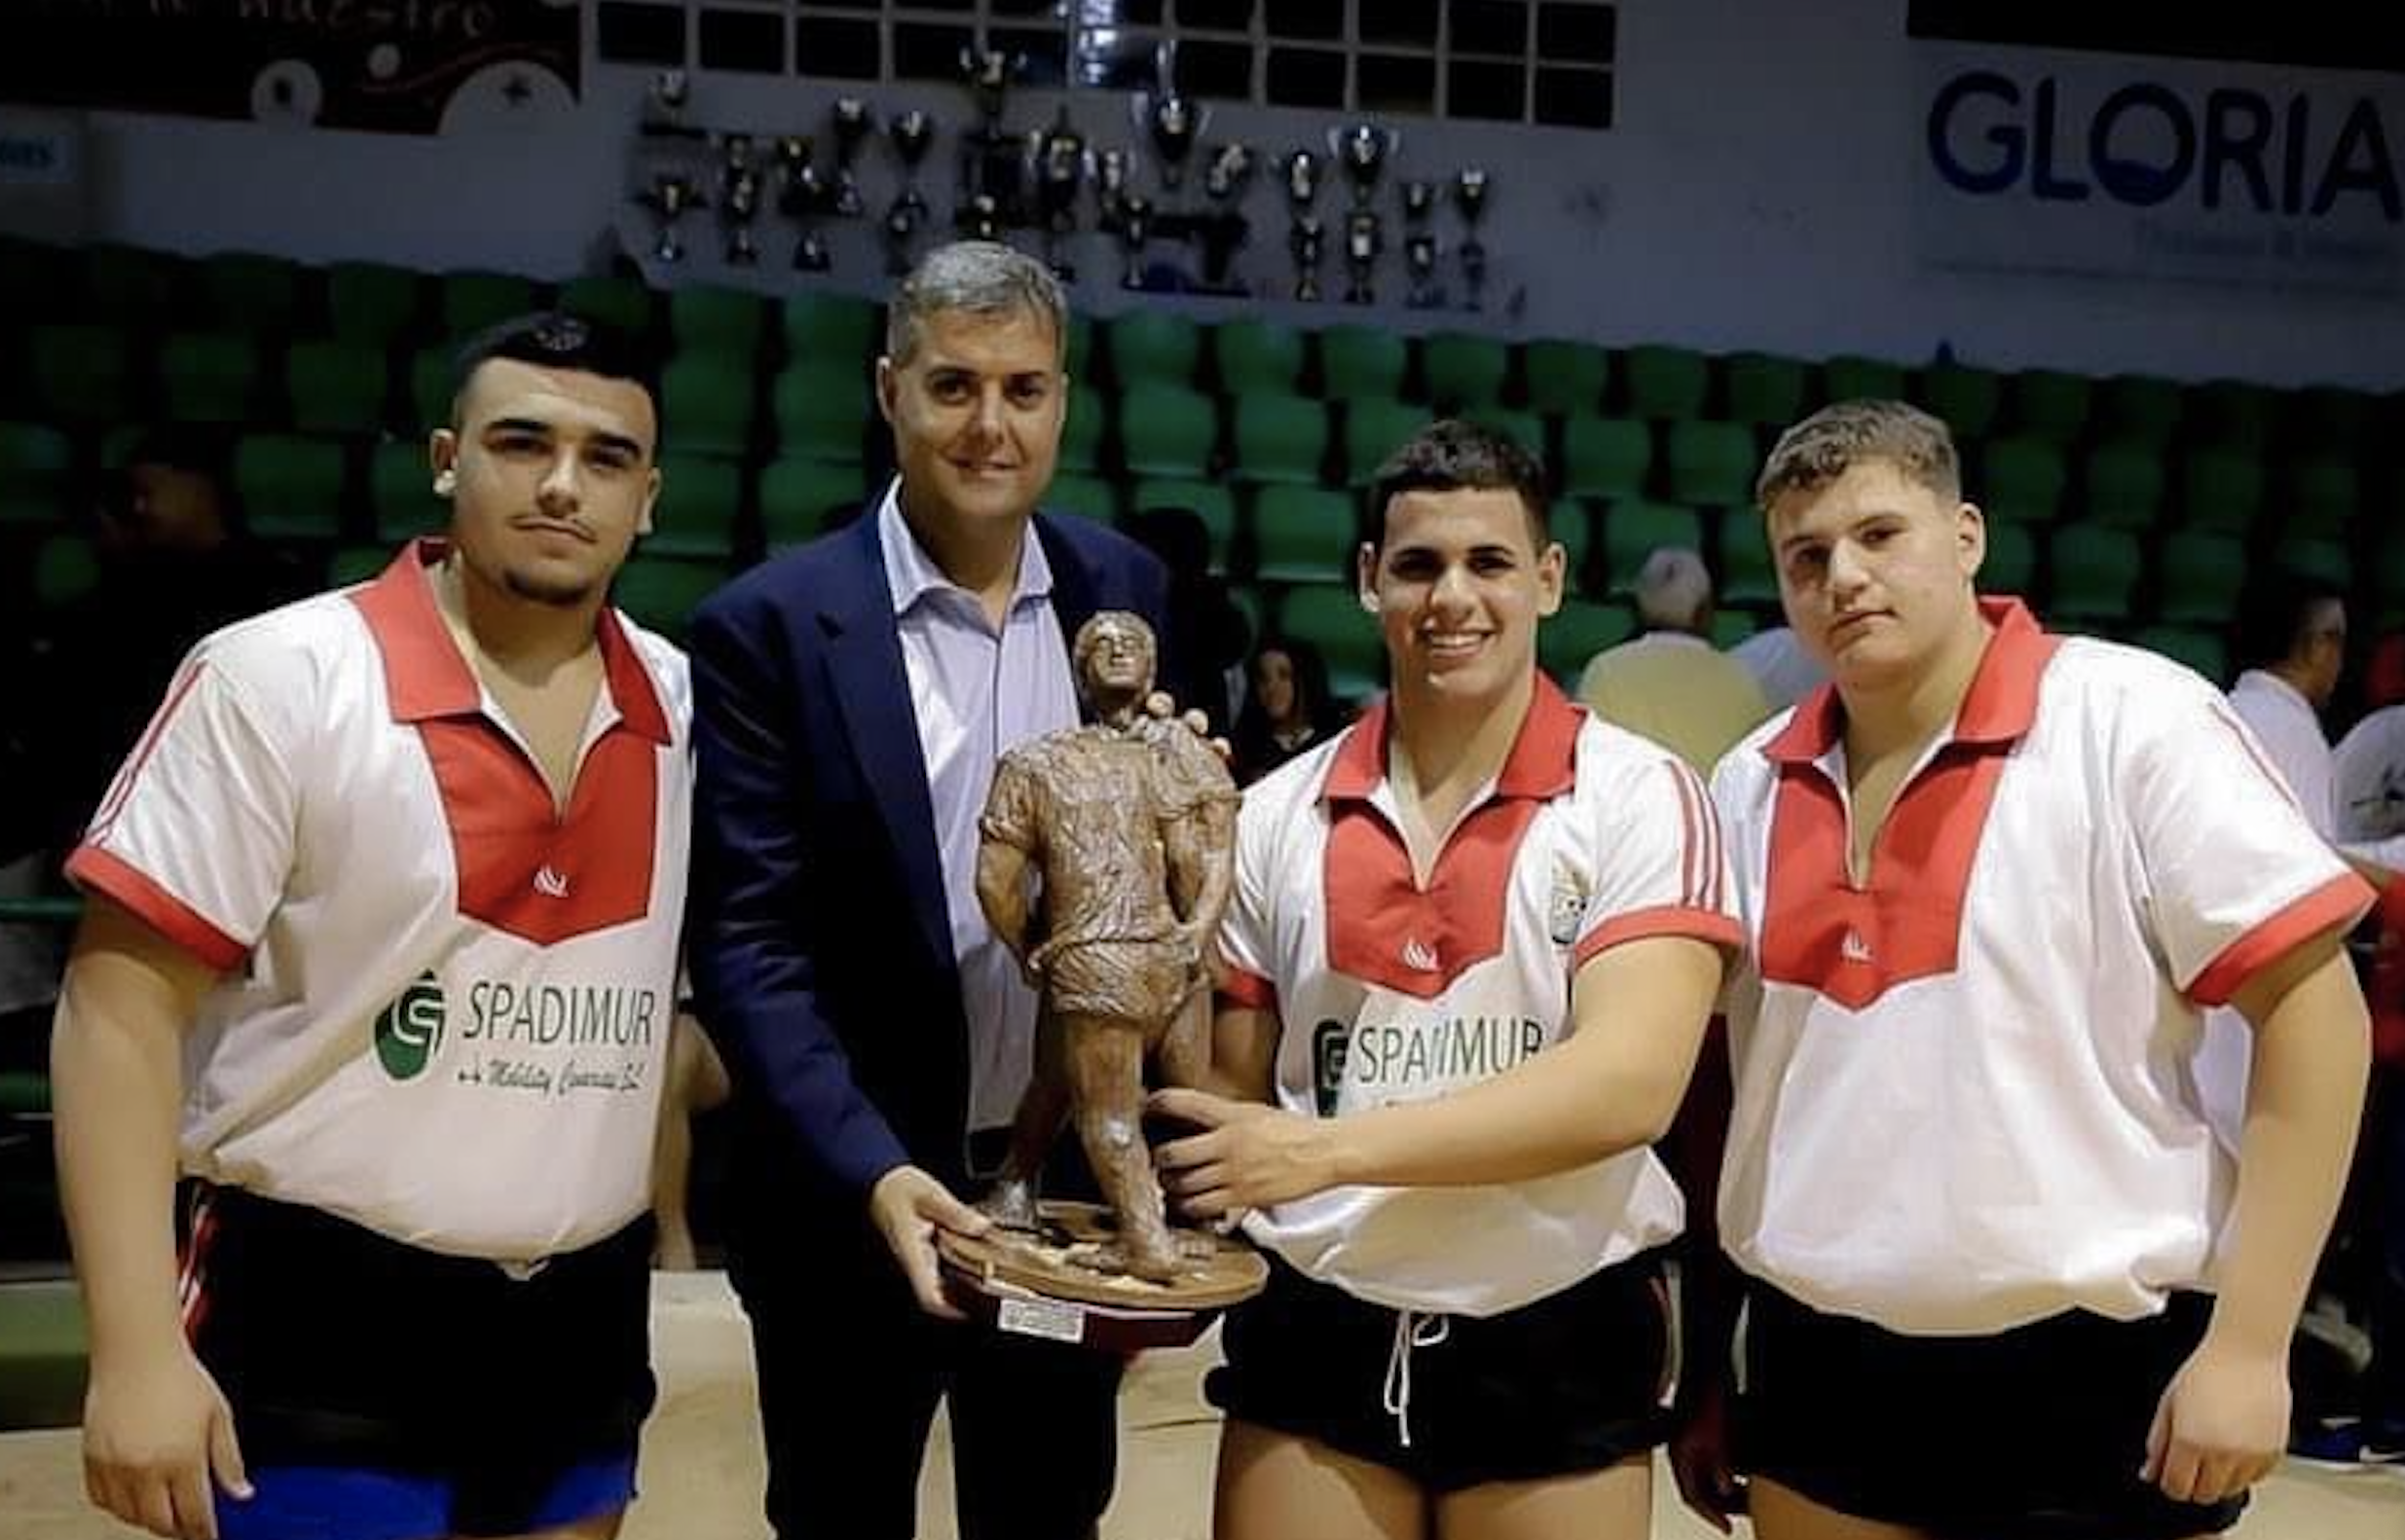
410, 1030
1328, 1041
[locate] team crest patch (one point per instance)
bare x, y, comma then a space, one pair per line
410, 1030
1567, 906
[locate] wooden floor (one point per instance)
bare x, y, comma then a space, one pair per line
702, 1473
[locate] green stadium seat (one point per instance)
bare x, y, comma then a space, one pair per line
1210, 502
723, 323
1747, 574
37, 473
2139, 408
1850, 377
1634, 529
1524, 428
2202, 649
66, 570
2330, 421
2122, 483
1568, 639
291, 487
627, 304
838, 329
1152, 346
799, 499
2231, 413
210, 377
428, 398
1305, 534
1570, 525
373, 303
1362, 363
1094, 497
1083, 428
401, 496
1731, 626
2199, 576
82, 374
2330, 561
1564, 378
45, 1350
1166, 430
355, 563
1279, 438
472, 301
2023, 480
2318, 498
2221, 488
701, 506
2095, 572
1375, 427
1462, 371
135, 288
335, 387
1664, 383
247, 291
1969, 400
661, 592
706, 405
2388, 583
1764, 389
2049, 403
1329, 616
1255, 354
2010, 565
1711, 463
1605, 457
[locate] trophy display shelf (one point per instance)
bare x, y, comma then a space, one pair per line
1059, 1285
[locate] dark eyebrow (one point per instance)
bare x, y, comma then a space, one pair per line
546, 430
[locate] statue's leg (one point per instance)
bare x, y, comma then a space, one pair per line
1106, 1076
1186, 1048
1042, 1110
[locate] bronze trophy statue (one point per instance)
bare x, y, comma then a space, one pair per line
1120, 835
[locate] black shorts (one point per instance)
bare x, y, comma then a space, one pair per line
2033, 1434
1575, 1381
339, 1347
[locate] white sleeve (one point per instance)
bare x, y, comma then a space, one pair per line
2235, 875
1244, 930
1664, 869
196, 833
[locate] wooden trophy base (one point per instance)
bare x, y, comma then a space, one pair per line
1054, 1286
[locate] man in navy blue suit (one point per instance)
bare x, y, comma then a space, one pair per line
851, 698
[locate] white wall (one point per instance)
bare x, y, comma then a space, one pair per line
1765, 186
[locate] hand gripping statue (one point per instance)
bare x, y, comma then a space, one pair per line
1106, 862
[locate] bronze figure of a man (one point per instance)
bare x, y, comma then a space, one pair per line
1128, 825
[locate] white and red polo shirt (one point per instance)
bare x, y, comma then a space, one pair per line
445, 1003
1966, 1090
1388, 991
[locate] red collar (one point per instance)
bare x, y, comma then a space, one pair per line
1543, 761
1998, 709
426, 676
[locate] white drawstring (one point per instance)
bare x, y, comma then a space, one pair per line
1412, 1329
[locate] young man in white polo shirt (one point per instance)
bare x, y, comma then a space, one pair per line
1474, 943
384, 913
2004, 1281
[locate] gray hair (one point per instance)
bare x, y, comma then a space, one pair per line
1673, 589
981, 277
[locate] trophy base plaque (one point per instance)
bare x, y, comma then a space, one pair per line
1057, 1285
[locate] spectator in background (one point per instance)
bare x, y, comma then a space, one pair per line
2291, 648
1288, 708
1672, 684
175, 565
1212, 634
1780, 664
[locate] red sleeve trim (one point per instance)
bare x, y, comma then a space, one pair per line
1250, 991
2342, 901
1702, 924
96, 870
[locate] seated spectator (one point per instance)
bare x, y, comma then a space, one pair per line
1287, 709
1672, 684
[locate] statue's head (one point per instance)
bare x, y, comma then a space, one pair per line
1114, 656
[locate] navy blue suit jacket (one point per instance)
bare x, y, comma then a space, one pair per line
819, 939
